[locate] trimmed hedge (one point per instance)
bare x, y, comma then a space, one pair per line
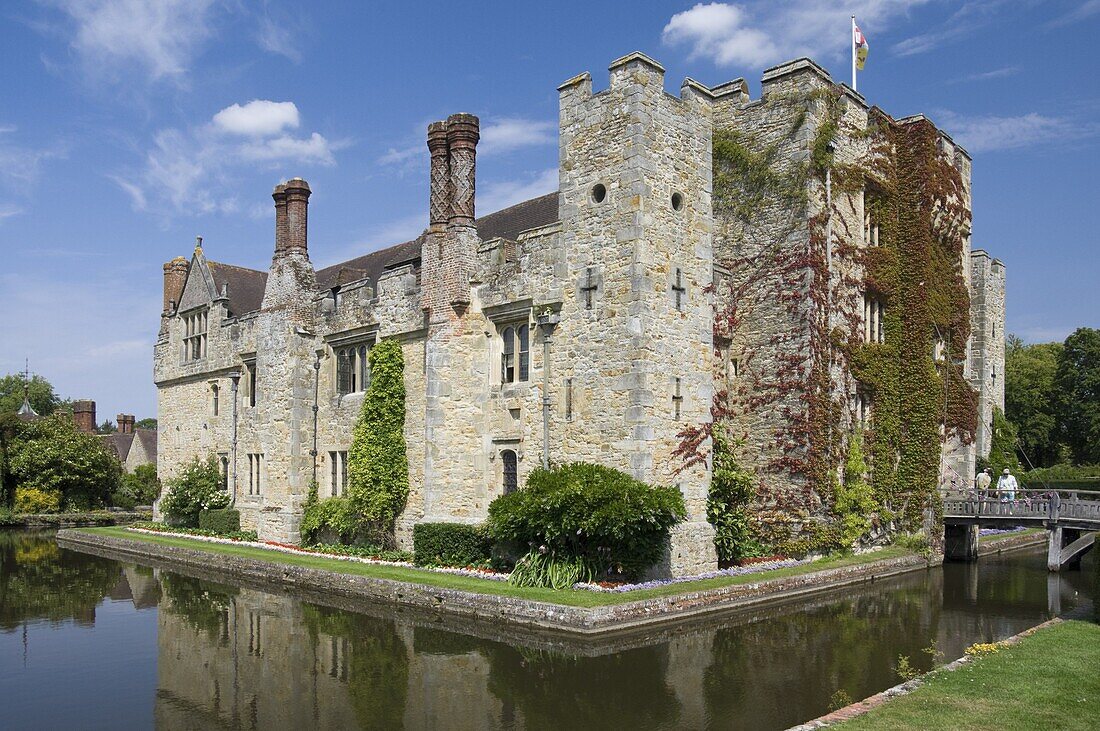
451, 544
220, 521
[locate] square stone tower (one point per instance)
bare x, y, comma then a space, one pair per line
635, 170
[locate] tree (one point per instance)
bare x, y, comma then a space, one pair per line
139, 488
11, 427
146, 424
55, 460
1030, 398
1002, 445
378, 467
198, 487
40, 393
1077, 385
107, 427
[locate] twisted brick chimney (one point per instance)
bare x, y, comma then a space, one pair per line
297, 205
463, 132
84, 415
125, 423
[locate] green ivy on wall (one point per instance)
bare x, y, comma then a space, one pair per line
378, 467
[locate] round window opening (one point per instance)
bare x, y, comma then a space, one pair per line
599, 192
677, 201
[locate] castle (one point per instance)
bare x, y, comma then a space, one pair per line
706, 256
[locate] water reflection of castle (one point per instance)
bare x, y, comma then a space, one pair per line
241, 658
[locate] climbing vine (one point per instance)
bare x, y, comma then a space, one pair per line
378, 467
777, 219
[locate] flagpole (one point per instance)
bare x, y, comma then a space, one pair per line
852, 46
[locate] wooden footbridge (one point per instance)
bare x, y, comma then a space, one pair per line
1071, 518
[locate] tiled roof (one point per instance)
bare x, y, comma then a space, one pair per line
148, 439
510, 222
120, 443
246, 286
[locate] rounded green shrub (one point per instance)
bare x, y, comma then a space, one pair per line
589, 512
197, 487
34, 501
451, 544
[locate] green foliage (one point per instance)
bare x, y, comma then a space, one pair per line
147, 423
378, 467
854, 501
376, 552
1002, 445
589, 511
1064, 473
52, 456
918, 543
1077, 385
198, 487
547, 569
839, 700
107, 427
32, 500
746, 180
328, 519
906, 670
10, 430
732, 488
220, 520
451, 544
40, 393
139, 488
1030, 398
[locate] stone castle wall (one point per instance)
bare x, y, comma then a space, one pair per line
987, 333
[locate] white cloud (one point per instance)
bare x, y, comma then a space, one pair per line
20, 165
988, 133
161, 36
7, 210
501, 194
987, 75
1081, 12
195, 170
275, 36
758, 33
511, 133
257, 118
963, 22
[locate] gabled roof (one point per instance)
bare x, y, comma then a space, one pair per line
120, 443
510, 222
148, 439
246, 286
369, 265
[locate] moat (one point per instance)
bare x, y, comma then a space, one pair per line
89, 642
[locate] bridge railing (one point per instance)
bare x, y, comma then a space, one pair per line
1026, 503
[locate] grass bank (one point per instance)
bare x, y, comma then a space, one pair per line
1048, 680
573, 598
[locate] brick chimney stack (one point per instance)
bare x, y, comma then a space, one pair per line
297, 204
84, 415
125, 423
175, 277
463, 132
279, 195
439, 204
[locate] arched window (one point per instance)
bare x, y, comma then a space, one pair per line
352, 368
364, 369
508, 356
511, 472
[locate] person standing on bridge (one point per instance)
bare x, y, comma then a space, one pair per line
1006, 485
984, 480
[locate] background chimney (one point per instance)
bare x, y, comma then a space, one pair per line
84, 415
297, 203
175, 276
463, 132
125, 423
280, 219
439, 204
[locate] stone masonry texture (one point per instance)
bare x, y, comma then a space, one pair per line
625, 267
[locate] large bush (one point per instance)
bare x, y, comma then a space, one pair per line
51, 455
325, 521
605, 517
378, 468
854, 503
138, 488
33, 501
198, 487
451, 544
732, 488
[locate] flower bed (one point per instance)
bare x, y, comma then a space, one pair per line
999, 531
353, 553
758, 567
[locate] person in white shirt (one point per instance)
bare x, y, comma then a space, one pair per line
1006, 486
983, 482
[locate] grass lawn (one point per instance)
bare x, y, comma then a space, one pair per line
485, 586
993, 537
1047, 681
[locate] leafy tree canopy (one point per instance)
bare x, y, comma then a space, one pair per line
1077, 385
1030, 397
41, 394
53, 457
146, 424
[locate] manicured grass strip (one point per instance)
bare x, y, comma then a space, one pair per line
485, 586
993, 537
1047, 681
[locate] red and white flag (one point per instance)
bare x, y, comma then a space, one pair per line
860, 46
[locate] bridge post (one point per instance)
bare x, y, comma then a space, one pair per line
1054, 547
960, 542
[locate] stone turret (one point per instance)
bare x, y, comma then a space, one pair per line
175, 276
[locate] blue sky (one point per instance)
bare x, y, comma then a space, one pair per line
131, 126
